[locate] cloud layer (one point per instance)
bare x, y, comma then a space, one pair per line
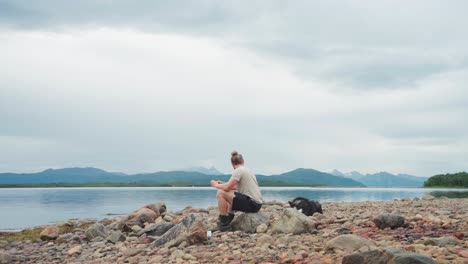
335, 84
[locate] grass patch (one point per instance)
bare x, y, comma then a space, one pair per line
34, 233
27, 234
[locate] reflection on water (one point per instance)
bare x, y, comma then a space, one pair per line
27, 207
450, 194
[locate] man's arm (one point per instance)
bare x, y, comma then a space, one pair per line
231, 185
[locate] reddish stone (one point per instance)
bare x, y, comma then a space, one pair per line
459, 235
463, 253
409, 248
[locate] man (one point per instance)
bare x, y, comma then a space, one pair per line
240, 193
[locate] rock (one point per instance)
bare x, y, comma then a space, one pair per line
136, 229
293, 221
177, 254
132, 252
144, 211
442, 212
248, 222
265, 239
168, 218
156, 259
190, 229
445, 241
116, 236
5, 258
261, 228
389, 220
463, 253
50, 233
188, 257
74, 250
3, 243
411, 258
139, 220
96, 230
353, 242
388, 256
428, 197
64, 238
156, 229
460, 235
158, 208
369, 257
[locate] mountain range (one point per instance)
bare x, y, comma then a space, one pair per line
202, 176
94, 175
383, 179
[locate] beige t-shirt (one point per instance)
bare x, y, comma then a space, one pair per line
247, 183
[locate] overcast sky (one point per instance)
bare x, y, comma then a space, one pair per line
159, 85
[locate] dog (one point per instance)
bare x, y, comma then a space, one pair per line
306, 206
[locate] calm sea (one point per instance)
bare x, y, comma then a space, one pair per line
29, 207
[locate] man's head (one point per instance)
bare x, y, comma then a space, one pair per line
236, 159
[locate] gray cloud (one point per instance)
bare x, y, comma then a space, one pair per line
162, 85
311, 36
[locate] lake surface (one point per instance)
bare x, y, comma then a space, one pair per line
29, 207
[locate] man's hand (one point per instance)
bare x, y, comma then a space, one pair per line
214, 183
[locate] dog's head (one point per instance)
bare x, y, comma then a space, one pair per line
306, 206
296, 201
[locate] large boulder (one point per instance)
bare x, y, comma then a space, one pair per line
411, 258
144, 211
157, 229
349, 242
116, 236
248, 222
139, 220
50, 233
190, 229
5, 258
293, 221
387, 256
96, 230
158, 208
389, 220
368, 257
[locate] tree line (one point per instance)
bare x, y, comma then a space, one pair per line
448, 180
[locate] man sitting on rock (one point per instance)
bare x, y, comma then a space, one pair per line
240, 193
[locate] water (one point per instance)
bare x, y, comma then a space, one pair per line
29, 207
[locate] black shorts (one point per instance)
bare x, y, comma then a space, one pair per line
245, 204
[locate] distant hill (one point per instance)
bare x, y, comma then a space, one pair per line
67, 175
312, 176
207, 171
186, 178
448, 180
384, 179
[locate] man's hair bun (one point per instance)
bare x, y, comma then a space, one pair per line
234, 153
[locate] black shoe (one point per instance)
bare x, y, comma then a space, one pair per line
224, 223
231, 217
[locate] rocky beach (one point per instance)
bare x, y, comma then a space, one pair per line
426, 230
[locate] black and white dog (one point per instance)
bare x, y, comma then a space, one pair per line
306, 206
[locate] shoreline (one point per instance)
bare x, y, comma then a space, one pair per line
25, 186
434, 228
